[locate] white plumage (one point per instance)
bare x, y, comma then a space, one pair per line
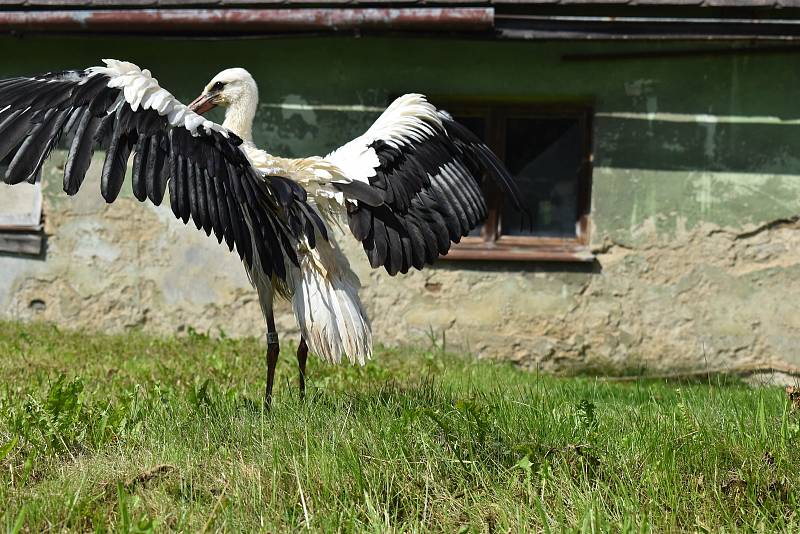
329, 312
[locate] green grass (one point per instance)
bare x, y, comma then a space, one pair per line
135, 433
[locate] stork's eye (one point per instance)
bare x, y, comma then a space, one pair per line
219, 86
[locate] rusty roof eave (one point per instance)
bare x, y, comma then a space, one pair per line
248, 21
210, 22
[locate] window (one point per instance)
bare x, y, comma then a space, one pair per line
21, 219
548, 151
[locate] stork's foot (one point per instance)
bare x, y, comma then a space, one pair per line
273, 349
302, 356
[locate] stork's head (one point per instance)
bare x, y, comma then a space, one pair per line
228, 88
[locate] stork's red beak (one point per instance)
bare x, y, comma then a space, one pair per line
203, 103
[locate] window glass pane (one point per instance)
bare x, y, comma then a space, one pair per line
545, 155
21, 206
21, 219
476, 125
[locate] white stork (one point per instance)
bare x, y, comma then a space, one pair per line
406, 188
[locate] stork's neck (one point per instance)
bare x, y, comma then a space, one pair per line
240, 114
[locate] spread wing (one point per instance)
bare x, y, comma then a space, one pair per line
122, 109
426, 170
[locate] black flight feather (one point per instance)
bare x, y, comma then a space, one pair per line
194, 194
153, 170
359, 220
139, 173
174, 193
211, 205
187, 198
14, 129
202, 198
456, 190
80, 152
116, 162
35, 148
222, 207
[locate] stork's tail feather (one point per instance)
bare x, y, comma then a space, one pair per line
331, 317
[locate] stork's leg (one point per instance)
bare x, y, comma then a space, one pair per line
302, 356
273, 349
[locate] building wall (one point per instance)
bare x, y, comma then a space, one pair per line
694, 204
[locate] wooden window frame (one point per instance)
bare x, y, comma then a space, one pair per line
23, 233
492, 245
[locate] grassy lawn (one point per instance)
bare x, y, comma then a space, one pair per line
135, 433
